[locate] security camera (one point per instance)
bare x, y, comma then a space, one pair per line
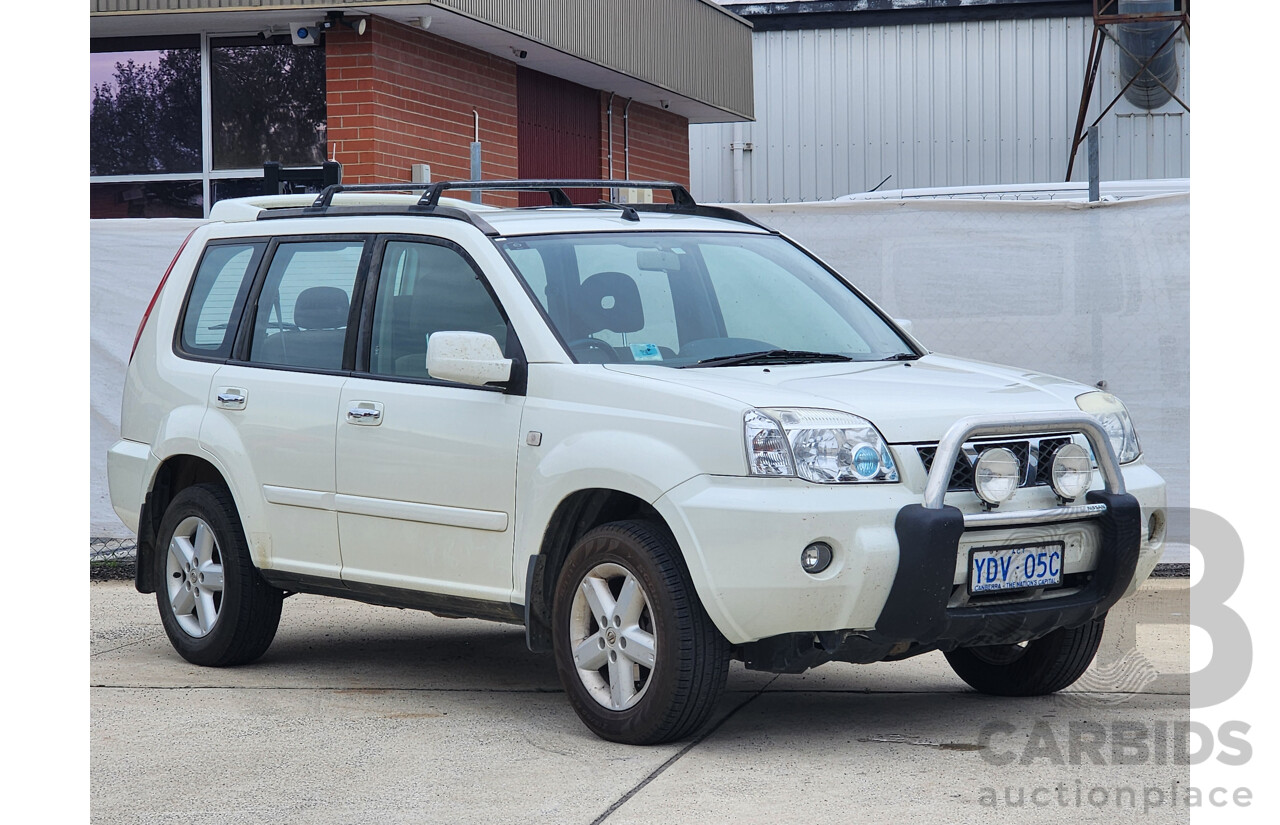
303, 34
666, 104
520, 53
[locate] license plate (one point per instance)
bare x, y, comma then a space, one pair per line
993, 569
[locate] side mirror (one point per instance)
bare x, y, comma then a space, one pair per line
905, 325
466, 357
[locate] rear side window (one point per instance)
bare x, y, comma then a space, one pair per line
217, 295
301, 315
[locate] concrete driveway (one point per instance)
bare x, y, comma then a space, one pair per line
363, 714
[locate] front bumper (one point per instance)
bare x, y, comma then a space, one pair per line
896, 586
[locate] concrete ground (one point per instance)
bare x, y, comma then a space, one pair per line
362, 714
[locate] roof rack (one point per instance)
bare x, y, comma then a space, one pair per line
429, 203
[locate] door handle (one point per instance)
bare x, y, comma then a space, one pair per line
368, 413
231, 398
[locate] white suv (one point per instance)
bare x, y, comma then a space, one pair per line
658, 436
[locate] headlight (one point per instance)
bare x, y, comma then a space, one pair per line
1114, 418
825, 446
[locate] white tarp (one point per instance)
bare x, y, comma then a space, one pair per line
1091, 293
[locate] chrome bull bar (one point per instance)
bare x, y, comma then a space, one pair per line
980, 426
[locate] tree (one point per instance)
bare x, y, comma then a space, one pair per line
268, 104
147, 120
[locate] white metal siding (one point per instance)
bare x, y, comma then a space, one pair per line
943, 104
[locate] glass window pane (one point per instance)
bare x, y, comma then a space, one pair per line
268, 104
216, 297
147, 199
423, 289
144, 112
301, 316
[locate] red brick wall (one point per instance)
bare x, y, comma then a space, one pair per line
659, 142
398, 96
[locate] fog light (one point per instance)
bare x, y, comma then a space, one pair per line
995, 475
816, 557
1072, 471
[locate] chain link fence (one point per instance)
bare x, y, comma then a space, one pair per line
112, 558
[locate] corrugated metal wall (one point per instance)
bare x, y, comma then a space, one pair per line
943, 104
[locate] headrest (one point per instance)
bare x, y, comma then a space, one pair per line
597, 312
321, 307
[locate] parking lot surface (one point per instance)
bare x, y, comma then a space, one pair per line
367, 714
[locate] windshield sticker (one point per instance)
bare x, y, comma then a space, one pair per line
646, 352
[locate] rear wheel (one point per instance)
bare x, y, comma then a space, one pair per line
638, 657
215, 607
1035, 668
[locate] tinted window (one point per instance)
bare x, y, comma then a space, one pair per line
425, 288
268, 103
301, 315
144, 111
216, 297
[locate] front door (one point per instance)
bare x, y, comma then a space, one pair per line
426, 468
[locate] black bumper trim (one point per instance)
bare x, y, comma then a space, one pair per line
916, 610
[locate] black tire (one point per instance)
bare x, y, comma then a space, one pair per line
676, 695
233, 626
1042, 666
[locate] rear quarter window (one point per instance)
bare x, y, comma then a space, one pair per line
217, 297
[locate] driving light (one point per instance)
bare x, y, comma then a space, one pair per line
816, 557
995, 475
1072, 471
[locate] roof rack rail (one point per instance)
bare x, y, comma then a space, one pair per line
554, 188
429, 203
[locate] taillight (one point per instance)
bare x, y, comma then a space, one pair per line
154, 298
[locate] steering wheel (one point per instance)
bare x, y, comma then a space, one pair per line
595, 344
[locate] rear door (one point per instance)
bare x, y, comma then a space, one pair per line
426, 468
272, 406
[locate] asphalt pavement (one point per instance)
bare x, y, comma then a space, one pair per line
361, 714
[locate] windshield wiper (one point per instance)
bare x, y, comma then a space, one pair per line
772, 356
902, 356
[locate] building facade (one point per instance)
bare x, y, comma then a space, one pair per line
904, 94
189, 98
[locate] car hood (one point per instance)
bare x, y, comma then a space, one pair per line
909, 401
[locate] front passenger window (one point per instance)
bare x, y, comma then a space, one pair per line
424, 288
302, 312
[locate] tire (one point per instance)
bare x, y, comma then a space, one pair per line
653, 626
1036, 668
211, 622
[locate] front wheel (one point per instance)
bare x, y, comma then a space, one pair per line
638, 657
1041, 666
216, 608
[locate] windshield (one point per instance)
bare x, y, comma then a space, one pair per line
684, 299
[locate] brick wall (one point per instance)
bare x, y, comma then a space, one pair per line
659, 142
398, 96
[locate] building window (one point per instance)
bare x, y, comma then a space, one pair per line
268, 104
144, 112
162, 145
